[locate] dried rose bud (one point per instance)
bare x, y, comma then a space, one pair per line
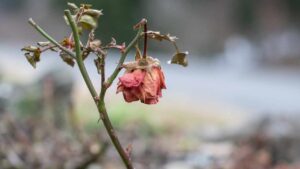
142, 82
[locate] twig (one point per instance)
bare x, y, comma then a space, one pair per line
48, 37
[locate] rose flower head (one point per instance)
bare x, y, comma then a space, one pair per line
143, 80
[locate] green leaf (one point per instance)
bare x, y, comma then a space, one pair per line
180, 59
88, 22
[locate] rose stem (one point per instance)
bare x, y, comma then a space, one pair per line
100, 103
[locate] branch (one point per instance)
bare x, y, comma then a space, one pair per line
100, 104
79, 55
48, 37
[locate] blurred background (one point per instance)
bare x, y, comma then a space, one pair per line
236, 106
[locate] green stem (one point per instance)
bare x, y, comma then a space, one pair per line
79, 55
48, 37
100, 104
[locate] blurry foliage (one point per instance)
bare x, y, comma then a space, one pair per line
27, 105
119, 17
124, 116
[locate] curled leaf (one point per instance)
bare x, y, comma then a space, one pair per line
86, 6
157, 36
113, 44
30, 59
33, 56
88, 22
180, 59
67, 58
30, 48
43, 44
98, 64
73, 7
93, 12
95, 44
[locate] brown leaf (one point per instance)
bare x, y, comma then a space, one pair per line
30, 48
67, 58
157, 36
30, 59
98, 64
180, 59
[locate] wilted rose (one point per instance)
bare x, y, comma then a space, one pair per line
142, 84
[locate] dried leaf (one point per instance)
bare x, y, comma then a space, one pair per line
86, 6
73, 7
93, 12
113, 44
88, 22
180, 59
98, 64
67, 58
30, 48
95, 44
157, 36
30, 59
43, 44
37, 55
33, 57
